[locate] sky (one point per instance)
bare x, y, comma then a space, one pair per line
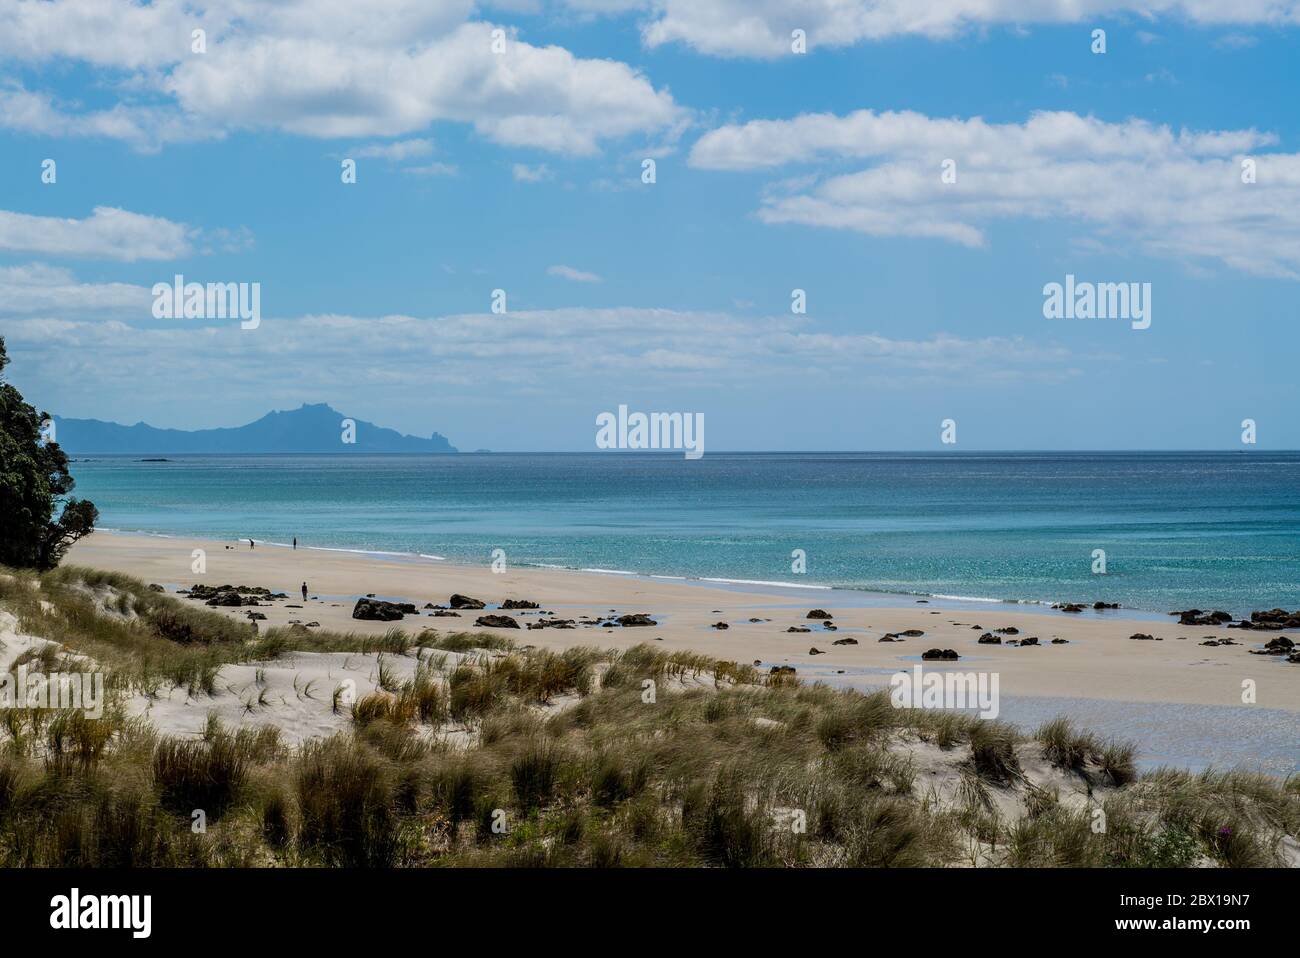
920, 171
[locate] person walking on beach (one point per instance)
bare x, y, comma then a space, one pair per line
304, 592
295, 542
250, 544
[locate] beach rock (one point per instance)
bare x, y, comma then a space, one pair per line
798, 628
636, 618
231, 599
1032, 640
759, 620
552, 624
459, 601
1278, 646
1008, 630
1068, 607
155, 587
719, 625
988, 638
519, 604
377, 610
818, 614
445, 614
911, 632
1197, 617
830, 627
845, 642
1105, 605
313, 625
1294, 657
1060, 641
1144, 637
815, 651
781, 670
1273, 619
256, 615
944, 654
494, 621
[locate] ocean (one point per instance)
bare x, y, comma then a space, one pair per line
1179, 530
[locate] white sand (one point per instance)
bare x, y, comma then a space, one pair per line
1099, 662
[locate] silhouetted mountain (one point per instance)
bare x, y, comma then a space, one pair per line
310, 429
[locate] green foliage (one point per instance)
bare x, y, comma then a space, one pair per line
41, 519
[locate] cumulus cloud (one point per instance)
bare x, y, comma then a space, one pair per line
41, 288
108, 233
762, 28
1176, 194
327, 69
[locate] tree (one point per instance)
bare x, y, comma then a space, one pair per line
39, 520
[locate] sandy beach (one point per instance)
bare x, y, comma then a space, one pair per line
1098, 660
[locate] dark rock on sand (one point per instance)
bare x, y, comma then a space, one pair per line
944, 654
912, 632
1144, 637
719, 625
988, 638
155, 587
815, 651
798, 628
1068, 607
1060, 641
819, 614
445, 614
1032, 640
519, 604
493, 621
377, 610
845, 642
459, 601
1278, 646
1008, 630
1197, 617
552, 624
1105, 605
781, 670
636, 618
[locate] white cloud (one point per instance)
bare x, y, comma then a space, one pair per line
530, 174
762, 28
1175, 194
397, 151
326, 68
432, 169
573, 275
515, 354
108, 233
40, 288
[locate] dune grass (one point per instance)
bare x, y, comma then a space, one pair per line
493, 755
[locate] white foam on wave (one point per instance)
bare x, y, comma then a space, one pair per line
782, 585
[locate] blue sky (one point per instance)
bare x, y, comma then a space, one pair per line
521, 171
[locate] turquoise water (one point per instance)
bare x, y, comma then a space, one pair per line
1212, 530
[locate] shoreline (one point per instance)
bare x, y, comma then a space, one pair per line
1095, 656
847, 597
